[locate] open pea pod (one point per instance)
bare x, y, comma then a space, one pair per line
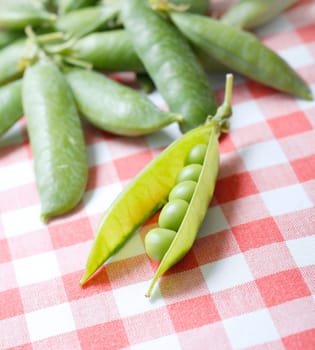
196, 210
242, 52
141, 199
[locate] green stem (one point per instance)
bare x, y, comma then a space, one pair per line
78, 63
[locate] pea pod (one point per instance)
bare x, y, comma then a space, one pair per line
170, 62
56, 138
7, 37
241, 52
65, 6
113, 51
114, 107
10, 105
9, 61
250, 14
85, 20
18, 16
149, 191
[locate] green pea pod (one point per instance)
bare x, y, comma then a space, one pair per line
242, 52
112, 51
114, 107
7, 37
18, 16
197, 208
250, 14
9, 61
65, 6
86, 20
171, 63
56, 138
145, 194
201, 7
11, 109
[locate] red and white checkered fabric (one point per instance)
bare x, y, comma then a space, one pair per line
248, 282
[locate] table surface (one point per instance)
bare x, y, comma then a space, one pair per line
249, 280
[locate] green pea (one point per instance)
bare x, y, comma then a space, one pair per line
242, 52
10, 105
250, 14
114, 107
20, 15
172, 214
183, 190
85, 20
170, 62
56, 137
197, 154
157, 242
189, 172
9, 61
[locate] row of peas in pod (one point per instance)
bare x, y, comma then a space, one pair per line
171, 46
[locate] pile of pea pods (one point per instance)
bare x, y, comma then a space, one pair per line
55, 56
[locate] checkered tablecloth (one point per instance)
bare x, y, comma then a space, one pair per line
248, 282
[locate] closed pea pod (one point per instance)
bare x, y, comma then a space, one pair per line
65, 6
56, 138
250, 14
7, 37
241, 52
114, 107
170, 62
10, 105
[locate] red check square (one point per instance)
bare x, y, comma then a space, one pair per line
193, 313
290, 124
10, 304
5, 255
282, 287
304, 168
300, 341
109, 336
234, 187
307, 33
257, 233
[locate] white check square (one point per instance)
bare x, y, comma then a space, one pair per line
286, 200
250, 329
303, 250
36, 269
49, 322
226, 273
213, 222
98, 153
244, 114
262, 154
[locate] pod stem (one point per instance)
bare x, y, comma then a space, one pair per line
224, 111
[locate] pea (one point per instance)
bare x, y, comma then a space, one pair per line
9, 61
183, 190
242, 52
250, 14
170, 62
157, 242
114, 107
172, 214
197, 154
56, 138
85, 20
10, 105
189, 172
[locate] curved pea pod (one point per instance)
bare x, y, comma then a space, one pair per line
10, 105
65, 6
195, 213
201, 7
85, 20
171, 63
242, 52
56, 138
250, 14
20, 15
110, 51
9, 61
144, 195
114, 107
